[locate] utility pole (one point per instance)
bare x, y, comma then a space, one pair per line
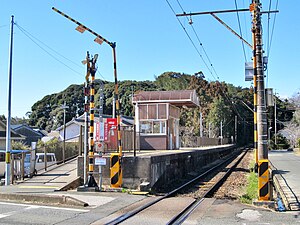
101, 124
64, 107
275, 122
221, 128
262, 132
261, 105
235, 129
8, 144
201, 125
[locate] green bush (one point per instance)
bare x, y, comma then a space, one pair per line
56, 146
282, 142
18, 145
251, 189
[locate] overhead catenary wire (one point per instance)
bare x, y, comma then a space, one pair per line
272, 32
240, 29
200, 43
191, 40
221, 88
270, 38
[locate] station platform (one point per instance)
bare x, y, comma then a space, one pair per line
150, 170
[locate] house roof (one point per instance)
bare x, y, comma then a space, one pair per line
13, 134
16, 127
178, 98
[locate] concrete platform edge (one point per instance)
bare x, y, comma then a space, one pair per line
43, 199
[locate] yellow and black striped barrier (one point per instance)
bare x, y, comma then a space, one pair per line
263, 180
115, 170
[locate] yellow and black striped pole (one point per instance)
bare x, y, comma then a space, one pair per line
91, 180
116, 159
81, 28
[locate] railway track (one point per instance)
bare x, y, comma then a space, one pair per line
179, 208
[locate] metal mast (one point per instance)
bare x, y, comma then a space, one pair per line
8, 139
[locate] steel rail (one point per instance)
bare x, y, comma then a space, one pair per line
126, 216
184, 214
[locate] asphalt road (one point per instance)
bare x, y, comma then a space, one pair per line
288, 164
15, 213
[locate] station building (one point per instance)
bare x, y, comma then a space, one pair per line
157, 115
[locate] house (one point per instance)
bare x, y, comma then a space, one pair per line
30, 134
13, 135
73, 127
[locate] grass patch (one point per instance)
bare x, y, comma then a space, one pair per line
251, 189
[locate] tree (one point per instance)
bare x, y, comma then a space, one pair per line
291, 129
219, 111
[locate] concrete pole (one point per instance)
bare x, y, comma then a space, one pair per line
275, 123
8, 147
64, 107
114, 107
201, 125
221, 127
235, 129
261, 106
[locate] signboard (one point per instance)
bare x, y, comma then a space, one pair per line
249, 71
106, 130
99, 146
269, 97
111, 123
97, 131
100, 161
101, 131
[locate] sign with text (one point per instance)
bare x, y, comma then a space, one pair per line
97, 131
100, 161
109, 126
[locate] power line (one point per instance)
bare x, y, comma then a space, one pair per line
221, 87
241, 34
268, 26
200, 43
273, 27
190, 39
269, 40
32, 38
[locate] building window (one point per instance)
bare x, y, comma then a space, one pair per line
153, 127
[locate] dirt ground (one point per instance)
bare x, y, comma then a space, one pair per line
236, 183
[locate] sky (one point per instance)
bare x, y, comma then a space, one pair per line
47, 50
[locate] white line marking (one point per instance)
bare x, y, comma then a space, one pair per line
42, 206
